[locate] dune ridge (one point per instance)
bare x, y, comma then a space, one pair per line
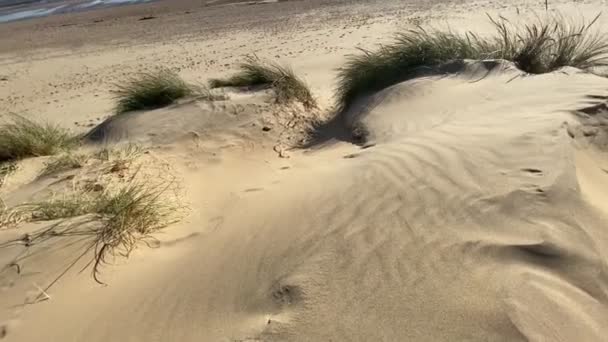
461, 219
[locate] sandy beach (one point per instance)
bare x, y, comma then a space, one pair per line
467, 202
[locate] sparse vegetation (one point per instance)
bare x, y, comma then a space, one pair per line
150, 90
21, 137
65, 162
121, 218
124, 152
9, 216
286, 84
119, 158
536, 48
546, 46
112, 159
6, 169
130, 216
110, 214
72, 205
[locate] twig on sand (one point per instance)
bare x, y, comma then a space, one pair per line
16, 266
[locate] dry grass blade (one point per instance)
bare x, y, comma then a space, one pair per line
71, 205
63, 163
21, 137
113, 153
121, 157
286, 84
10, 217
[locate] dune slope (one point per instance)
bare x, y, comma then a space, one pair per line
467, 215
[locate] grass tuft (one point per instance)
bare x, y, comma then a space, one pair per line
21, 137
535, 48
545, 46
286, 84
58, 208
119, 158
150, 90
130, 216
122, 219
10, 217
372, 71
63, 163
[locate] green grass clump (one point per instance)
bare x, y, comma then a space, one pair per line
286, 84
129, 217
134, 208
150, 90
546, 46
536, 48
21, 137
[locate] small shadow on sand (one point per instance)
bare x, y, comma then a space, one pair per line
174, 242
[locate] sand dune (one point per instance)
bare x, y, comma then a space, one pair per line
467, 203
456, 224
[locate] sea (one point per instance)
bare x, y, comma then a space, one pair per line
12, 10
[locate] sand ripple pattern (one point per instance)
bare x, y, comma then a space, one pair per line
468, 199
464, 221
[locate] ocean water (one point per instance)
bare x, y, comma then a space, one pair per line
11, 10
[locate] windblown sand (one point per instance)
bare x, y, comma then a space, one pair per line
476, 209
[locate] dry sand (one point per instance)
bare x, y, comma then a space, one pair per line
476, 211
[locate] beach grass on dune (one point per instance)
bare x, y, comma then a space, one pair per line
64, 162
119, 158
371, 71
286, 84
538, 47
21, 137
129, 216
547, 45
10, 217
151, 90
122, 219
71, 205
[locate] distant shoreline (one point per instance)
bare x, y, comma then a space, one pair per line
24, 10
